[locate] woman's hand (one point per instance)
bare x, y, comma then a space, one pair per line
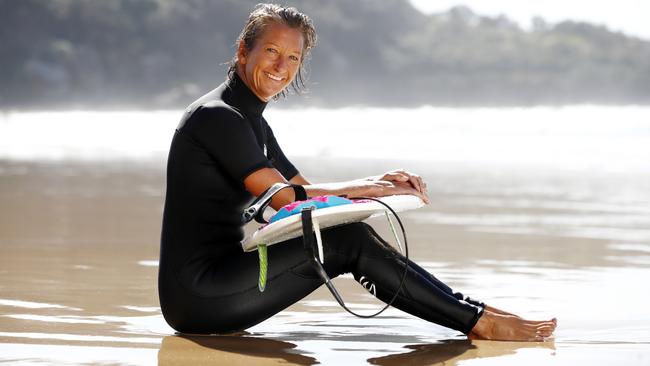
403, 176
381, 188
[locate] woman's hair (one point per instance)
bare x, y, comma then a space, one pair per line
266, 14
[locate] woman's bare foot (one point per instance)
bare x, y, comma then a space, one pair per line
504, 327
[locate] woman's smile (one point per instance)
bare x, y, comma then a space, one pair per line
273, 77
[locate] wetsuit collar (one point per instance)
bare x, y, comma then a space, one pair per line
241, 97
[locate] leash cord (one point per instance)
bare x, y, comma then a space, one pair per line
310, 248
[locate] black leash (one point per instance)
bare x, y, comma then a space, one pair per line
311, 250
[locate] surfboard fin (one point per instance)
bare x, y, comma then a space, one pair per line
392, 228
319, 241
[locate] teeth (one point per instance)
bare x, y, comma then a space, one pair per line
276, 78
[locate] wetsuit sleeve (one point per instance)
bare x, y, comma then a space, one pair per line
278, 159
228, 139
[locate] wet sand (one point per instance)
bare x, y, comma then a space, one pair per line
79, 266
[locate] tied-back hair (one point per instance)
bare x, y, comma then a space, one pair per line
266, 14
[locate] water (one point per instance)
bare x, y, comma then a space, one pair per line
545, 212
591, 138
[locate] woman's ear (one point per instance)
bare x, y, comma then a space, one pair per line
241, 53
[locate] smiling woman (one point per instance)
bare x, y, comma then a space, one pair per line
224, 153
270, 66
273, 34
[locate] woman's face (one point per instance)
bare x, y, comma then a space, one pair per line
273, 62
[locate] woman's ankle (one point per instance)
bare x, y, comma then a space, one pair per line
484, 324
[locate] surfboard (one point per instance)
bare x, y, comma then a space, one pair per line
291, 227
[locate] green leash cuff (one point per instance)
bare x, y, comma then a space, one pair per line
264, 266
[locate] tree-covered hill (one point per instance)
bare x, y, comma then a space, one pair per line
164, 53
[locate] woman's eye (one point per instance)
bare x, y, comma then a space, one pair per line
294, 58
272, 50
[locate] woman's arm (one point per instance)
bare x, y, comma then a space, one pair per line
385, 185
397, 177
299, 179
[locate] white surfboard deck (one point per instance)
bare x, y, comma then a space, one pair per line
291, 227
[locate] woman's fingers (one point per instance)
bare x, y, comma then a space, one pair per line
395, 177
407, 188
419, 186
417, 182
425, 196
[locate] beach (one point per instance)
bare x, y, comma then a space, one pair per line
80, 240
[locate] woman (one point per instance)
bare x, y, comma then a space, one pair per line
224, 153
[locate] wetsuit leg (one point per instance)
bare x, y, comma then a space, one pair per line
373, 262
425, 275
222, 296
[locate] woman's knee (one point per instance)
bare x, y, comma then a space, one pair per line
348, 235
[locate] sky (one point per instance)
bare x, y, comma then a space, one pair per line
628, 16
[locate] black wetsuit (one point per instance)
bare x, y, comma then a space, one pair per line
207, 284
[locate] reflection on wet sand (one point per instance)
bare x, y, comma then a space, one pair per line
426, 354
246, 349
450, 352
230, 350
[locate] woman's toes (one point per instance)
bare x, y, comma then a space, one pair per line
538, 323
546, 331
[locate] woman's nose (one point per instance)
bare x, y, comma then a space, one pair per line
281, 64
